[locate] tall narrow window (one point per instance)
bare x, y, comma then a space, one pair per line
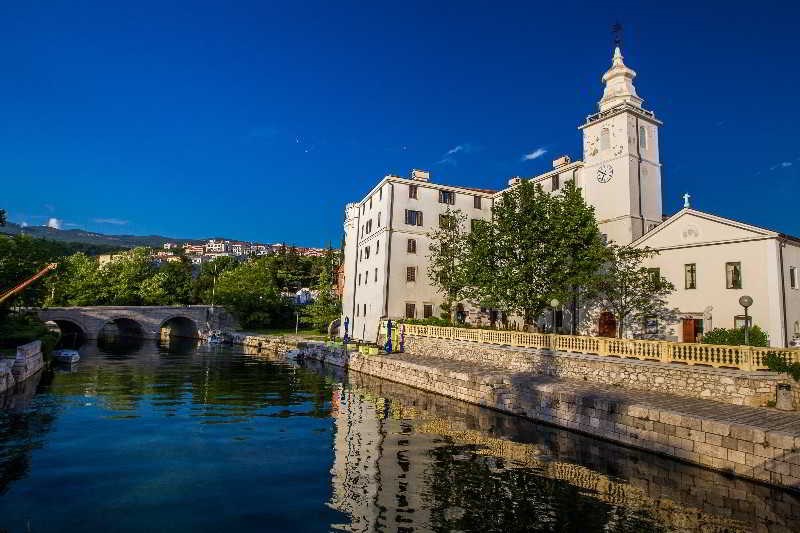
733, 275
556, 183
642, 137
690, 275
376, 274
476, 202
412, 191
427, 311
793, 277
380, 194
370, 202
411, 247
411, 273
365, 309
605, 139
379, 220
411, 310
447, 197
377, 247
413, 218
366, 252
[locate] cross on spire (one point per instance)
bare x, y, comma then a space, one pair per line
686, 200
616, 29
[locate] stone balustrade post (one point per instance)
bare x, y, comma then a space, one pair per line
664, 352
746, 358
552, 341
602, 346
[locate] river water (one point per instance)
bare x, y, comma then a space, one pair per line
183, 437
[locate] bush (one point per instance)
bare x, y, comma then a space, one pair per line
776, 363
735, 337
16, 330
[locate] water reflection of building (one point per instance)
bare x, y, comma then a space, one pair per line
419, 462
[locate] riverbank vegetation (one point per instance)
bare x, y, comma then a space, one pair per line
258, 291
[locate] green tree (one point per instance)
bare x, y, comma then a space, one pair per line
447, 257
123, 277
170, 285
327, 306
76, 281
527, 263
632, 292
203, 284
578, 243
3, 218
735, 336
249, 292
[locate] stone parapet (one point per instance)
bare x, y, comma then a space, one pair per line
755, 443
737, 387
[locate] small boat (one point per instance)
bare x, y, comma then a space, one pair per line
66, 356
215, 337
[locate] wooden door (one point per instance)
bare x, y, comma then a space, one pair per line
607, 326
689, 330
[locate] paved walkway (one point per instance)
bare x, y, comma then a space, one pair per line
765, 419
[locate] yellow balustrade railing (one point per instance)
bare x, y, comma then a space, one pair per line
742, 357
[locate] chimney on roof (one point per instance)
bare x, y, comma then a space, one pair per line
420, 175
561, 161
516, 180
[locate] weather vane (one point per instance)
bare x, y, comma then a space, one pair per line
616, 29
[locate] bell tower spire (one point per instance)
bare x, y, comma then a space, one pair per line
618, 82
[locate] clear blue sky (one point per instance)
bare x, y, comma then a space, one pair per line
260, 120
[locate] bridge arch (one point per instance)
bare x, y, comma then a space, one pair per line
72, 333
122, 326
179, 326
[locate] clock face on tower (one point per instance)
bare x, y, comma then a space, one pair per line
605, 173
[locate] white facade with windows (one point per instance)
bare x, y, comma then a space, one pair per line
386, 246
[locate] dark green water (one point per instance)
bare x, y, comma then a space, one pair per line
187, 438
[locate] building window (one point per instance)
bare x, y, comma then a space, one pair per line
427, 311
690, 275
642, 137
793, 277
366, 277
370, 202
446, 221
377, 247
412, 191
411, 247
379, 220
651, 325
411, 273
605, 139
369, 226
733, 275
447, 197
655, 275
366, 252
411, 310
359, 278
365, 309
739, 321
413, 218
380, 194
555, 183
357, 309
476, 202
797, 328
376, 274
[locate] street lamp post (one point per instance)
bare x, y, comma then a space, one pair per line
554, 303
746, 301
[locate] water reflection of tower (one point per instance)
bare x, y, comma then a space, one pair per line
381, 466
356, 453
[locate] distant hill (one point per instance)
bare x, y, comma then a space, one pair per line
88, 237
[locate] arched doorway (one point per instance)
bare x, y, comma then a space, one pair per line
607, 325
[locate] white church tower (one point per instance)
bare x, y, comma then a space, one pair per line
622, 173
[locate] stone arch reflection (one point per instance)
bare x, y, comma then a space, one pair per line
120, 336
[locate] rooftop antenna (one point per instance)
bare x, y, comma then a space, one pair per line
616, 29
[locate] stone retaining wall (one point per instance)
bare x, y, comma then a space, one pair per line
731, 386
278, 344
6, 376
28, 362
740, 449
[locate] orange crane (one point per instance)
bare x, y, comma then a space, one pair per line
19, 288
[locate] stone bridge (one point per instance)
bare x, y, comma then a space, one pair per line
138, 321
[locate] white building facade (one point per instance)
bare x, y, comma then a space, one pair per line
386, 248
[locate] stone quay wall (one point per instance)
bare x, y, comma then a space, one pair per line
254, 342
28, 362
737, 387
741, 449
